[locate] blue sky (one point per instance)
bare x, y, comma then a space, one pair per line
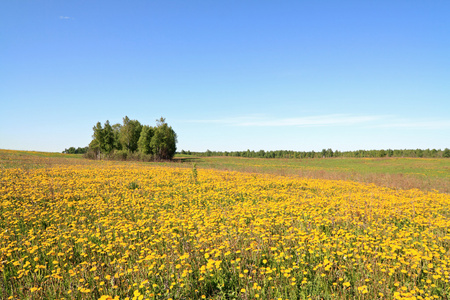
228, 75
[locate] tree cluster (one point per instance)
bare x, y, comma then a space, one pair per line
132, 140
325, 153
73, 150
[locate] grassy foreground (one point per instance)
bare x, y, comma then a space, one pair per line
75, 229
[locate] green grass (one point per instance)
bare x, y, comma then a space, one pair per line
434, 167
405, 173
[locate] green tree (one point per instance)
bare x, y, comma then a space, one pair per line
130, 133
446, 153
71, 150
163, 142
97, 143
108, 138
419, 153
329, 152
434, 153
116, 133
145, 139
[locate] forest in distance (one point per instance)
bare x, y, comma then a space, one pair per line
134, 141
326, 153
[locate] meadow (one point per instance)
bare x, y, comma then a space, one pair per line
396, 172
77, 229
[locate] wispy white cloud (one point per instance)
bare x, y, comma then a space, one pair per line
314, 121
228, 121
321, 120
416, 124
368, 121
65, 18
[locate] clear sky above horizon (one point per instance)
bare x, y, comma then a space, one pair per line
228, 75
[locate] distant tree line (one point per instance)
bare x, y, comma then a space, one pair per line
73, 150
325, 153
132, 140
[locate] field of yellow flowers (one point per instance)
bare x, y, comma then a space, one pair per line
134, 231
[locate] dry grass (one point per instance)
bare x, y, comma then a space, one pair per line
403, 173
